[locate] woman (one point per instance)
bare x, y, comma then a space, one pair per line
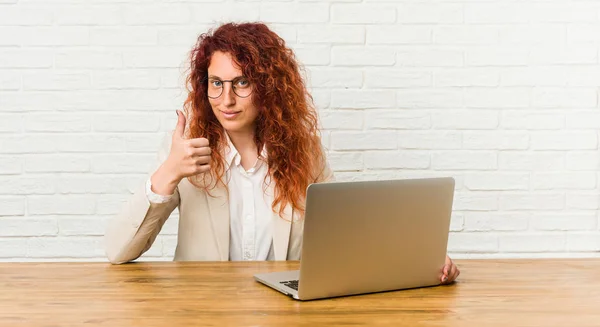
239, 161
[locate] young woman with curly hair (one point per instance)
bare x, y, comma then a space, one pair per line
239, 161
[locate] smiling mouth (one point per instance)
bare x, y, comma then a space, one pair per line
230, 112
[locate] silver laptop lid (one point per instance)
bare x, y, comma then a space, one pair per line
362, 237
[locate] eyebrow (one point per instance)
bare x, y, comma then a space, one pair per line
219, 78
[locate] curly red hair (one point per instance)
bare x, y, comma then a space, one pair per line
287, 120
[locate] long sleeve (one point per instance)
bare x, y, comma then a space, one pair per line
134, 229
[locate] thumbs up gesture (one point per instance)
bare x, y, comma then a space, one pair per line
188, 157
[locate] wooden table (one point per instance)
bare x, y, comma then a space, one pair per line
556, 292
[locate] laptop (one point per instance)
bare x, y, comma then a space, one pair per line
370, 236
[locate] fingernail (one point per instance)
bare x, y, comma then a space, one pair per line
444, 279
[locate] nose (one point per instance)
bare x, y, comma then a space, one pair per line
228, 95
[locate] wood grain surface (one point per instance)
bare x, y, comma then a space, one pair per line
544, 292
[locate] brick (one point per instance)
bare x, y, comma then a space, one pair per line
10, 80
362, 99
13, 247
61, 205
436, 140
32, 143
346, 161
398, 34
434, 13
532, 120
126, 123
566, 12
93, 226
63, 122
584, 120
398, 119
531, 161
488, 140
143, 143
313, 55
87, 143
583, 160
583, 241
90, 184
26, 185
56, 81
86, 14
56, 163
122, 163
325, 77
386, 78
563, 221
530, 242
465, 34
450, 77
553, 97
65, 247
532, 35
225, 12
16, 227
362, 14
430, 98
180, 35
11, 123
363, 140
25, 58
472, 242
74, 58
407, 159
534, 76
341, 119
331, 34
10, 36
55, 36
10, 166
583, 201
493, 221
563, 180
563, 55
537, 201
472, 119
156, 57
295, 13
497, 98
475, 201
564, 140
464, 160
497, 181
497, 56
12, 206
431, 57
124, 36
362, 56
34, 15
108, 204
495, 13
582, 33
157, 14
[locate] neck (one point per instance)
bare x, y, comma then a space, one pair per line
243, 141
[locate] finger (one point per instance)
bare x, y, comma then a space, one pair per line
202, 169
180, 124
446, 270
452, 274
199, 142
200, 152
203, 160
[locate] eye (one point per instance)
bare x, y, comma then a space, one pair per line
216, 83
242, 83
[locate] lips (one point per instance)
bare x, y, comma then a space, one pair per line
230, 114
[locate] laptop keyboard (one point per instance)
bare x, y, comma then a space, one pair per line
293, 284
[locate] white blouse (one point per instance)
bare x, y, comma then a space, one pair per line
250, 230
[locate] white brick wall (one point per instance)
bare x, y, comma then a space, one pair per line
503, 96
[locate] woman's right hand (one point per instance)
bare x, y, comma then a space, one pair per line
188, 157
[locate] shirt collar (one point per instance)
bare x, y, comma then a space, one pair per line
233, 157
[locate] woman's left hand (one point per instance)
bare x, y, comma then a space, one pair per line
449, 271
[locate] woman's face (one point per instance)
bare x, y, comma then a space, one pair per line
235, 113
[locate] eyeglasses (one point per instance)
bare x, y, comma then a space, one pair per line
240, 85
